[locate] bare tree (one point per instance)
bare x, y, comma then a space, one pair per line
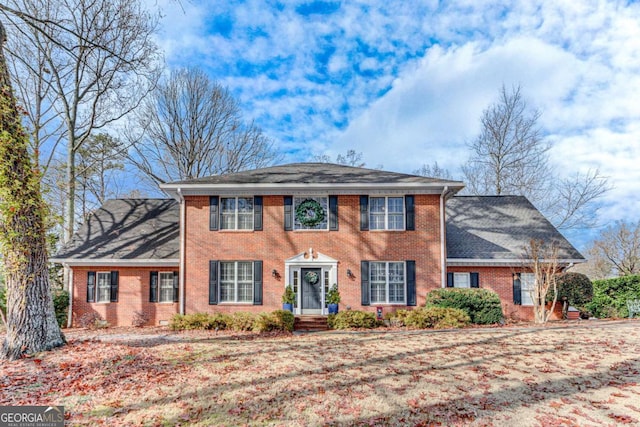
617, 249
351, 158
30, 321
510, 157
433, 171
541, 259
192, 127
91, 62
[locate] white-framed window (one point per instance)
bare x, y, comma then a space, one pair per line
527, 285
386, 213
236, 281
461, 280
236, 213
103, 288
166, 286
321, 207
388, 284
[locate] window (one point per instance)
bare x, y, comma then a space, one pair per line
236, 282
527, 286
461, 280
104, 287
387, 282
166, 286
236, 213
312, 215
386, 213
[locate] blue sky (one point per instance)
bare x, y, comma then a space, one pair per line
405, 83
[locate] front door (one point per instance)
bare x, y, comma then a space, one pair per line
311, 290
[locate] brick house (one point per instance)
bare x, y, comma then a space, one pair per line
233, 242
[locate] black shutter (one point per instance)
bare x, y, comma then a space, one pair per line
364, 280
257, 282
257, 213
475, 280
114, 286
364, 213
517, 290
411, 283
213, 282
176, 287
410, 211
288, 215
91, 286
449, 280
153, 286
333, 213
213, 213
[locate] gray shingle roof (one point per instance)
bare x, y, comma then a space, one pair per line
127, 229
315, 173
498, 227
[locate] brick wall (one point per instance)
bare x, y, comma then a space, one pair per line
273, 246
133, 295
500, 280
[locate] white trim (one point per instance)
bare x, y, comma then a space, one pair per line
181, 272
107, 262
262, 189
310, 259
443, 239
500, 262
70, 314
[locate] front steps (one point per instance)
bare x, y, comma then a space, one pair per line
310, 323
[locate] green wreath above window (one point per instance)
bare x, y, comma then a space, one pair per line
310, 213
311, 277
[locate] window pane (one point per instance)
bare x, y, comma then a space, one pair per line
104, 287
227, 276
461, 280
228, 213
396, 282
527, 282
376, 213
166, 287
245, 282
378, 275
395, 204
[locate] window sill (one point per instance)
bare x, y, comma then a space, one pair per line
166, 302
390, 303
235, 303
237, 231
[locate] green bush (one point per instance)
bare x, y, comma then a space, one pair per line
437, 318
180, 322
398, 317
61, 306
353, 319
241, 321
482, 305
610, 296
279, 320
3, 299
575, 287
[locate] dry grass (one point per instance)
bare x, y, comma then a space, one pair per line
582, 374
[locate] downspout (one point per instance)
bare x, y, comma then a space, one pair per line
70, 314
183, 212
443, 238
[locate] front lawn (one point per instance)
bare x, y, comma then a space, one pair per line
579, 373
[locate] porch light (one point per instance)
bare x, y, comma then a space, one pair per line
274, 273
350, 273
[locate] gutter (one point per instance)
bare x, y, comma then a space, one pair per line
183, 212
70, 314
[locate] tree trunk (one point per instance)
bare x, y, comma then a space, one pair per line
31, 322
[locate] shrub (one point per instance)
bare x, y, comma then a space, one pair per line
279, 320
241, 321
140, 318
398, 317
610, 296
3, 299
61, 307
353, 319
92, 320
437, 318
181, 322
482, 305
575, 287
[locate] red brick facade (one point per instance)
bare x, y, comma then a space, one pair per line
133, 296
349, 246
